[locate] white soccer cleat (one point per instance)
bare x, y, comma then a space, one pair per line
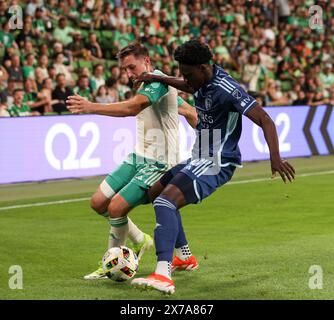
140, 248
98, 274
155, 281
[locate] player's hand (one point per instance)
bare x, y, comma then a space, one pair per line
77, 104
284, 168
147, 77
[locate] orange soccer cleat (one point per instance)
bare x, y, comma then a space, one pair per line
184, 265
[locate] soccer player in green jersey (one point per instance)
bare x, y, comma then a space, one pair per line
156, 107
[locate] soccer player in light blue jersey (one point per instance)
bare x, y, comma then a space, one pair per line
220, 102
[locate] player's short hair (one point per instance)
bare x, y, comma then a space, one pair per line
137, 49
193, 52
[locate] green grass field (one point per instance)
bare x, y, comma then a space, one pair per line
253, 240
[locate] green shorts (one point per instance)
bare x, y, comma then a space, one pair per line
134, 177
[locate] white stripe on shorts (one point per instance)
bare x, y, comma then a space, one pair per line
106, 189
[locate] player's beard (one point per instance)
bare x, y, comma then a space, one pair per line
133, 84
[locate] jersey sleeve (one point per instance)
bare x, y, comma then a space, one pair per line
153, 91
238, 97
179, 101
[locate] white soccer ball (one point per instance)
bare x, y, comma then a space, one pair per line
120, 263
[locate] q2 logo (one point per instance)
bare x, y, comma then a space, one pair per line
282, 119
71, 162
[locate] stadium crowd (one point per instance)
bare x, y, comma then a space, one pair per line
70, 46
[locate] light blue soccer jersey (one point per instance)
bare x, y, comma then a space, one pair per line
220, 104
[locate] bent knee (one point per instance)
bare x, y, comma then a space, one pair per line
98, 206
118, 207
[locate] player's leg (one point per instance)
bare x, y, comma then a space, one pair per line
165, 235
188, 186
101, 200
111, 185
136, 192
183, 260
122, 227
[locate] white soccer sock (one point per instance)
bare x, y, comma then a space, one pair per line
135, 234
118, 231
183, 253
164, 268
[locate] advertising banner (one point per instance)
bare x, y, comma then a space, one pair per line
72, 146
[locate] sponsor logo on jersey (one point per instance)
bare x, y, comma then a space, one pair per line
208, 102
237, 94
245, 102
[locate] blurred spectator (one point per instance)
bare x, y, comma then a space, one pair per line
33, 98
46, 93
3, 111
43, 63
115, 72
252, 72
25, 34
245, 36
275, 95
7, 39
301, 99
63, 32
39, 24
331, 96
28, 69
32, 7
14, 70
60, 67
93, 47
103, 95
77, 47
18, 108
60, 93
39, 77
111, 85
3, 77
82, 87
327, 76
97, 80
266, 58
123, 85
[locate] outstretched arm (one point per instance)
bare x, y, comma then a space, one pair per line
262, 119
77, 104
189, 112
175, 82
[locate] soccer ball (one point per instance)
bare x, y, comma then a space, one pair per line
120, 263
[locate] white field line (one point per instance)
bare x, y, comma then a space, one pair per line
39, 204
320, 173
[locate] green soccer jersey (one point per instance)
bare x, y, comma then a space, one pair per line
19, 111
30, 96
83, 92
157, 125
156, 146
